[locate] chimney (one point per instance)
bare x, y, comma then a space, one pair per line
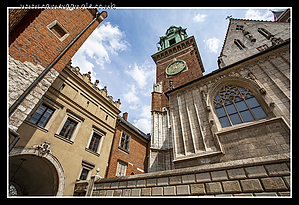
125, 115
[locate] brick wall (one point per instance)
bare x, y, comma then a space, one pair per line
37, 44
136, 157
33, 47
262, 176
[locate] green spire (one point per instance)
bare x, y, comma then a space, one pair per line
173, 35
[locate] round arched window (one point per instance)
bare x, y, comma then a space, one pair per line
235, 105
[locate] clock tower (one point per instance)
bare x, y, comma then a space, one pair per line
178, 62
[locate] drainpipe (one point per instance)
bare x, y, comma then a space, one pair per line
102, 16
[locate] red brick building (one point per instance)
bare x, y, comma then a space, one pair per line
130, 149
41, 43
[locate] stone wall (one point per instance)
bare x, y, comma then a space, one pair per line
261, 176
20, 76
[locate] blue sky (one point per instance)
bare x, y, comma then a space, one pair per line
118, 52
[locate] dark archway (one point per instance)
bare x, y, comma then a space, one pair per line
35, 175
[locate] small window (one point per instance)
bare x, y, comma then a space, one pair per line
125, 141
172, 41
94, 143
84, 174
85, 171
239, 44
42, 115
62, 86
239, 27
68, 128
121, 168
235, 105
265, 33
58, 30
262, 48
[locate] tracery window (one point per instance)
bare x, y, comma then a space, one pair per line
235, 105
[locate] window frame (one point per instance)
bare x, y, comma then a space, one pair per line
42, 115
237, 110
47, 100
127, 137
121, 163
75, 117
87, 166
56, 23
102, 134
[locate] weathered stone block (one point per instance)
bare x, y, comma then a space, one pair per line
141, 183
284, 193
109, 192
243, 194
251, 185
157, 191
277, 169
182, 190
162, 181
95, 193
287, 181
114, 185
122, 184
117, 192
197, 189
145, 191
274, 184
219, 176
131, 184
188, 179
231, 187
214, 188
106, 185
151, 182
256, 171
126, 192
266, 194
203, 177
102, 193
236, 174
169, 191
135, 192
175, 180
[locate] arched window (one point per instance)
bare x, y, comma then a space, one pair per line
235, 105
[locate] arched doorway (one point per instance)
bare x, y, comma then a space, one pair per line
33, 172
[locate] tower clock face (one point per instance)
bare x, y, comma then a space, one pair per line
175, 67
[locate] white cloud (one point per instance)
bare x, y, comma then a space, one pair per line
144, 122
213, 44
105, 40
131, 97
141, 74
199, 18
257, 15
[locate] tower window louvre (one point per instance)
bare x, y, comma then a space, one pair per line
265, 33
239, 44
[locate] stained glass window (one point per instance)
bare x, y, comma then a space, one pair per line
235, 105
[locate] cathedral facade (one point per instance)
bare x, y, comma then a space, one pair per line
239, 111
